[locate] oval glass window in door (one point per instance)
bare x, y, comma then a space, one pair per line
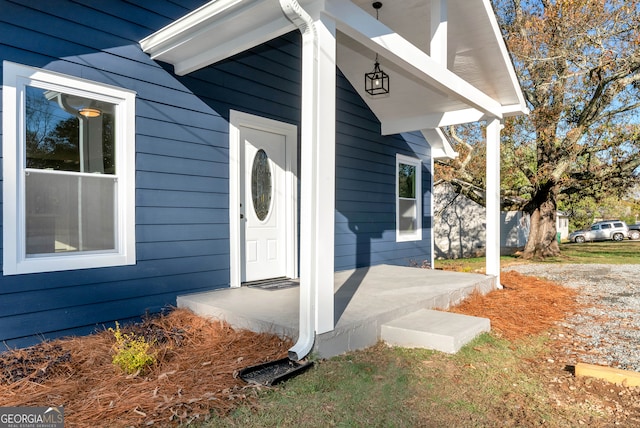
261, 186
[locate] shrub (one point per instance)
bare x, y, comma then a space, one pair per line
132, 353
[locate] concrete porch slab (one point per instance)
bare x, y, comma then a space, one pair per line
364, 300
428, 329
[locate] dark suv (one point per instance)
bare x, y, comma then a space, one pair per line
602, 231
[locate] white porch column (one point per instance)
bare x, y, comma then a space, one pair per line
321, 184
432, 231
317, 175
438, 48
493, 199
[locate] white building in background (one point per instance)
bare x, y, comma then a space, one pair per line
459, 226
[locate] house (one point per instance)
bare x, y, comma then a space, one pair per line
562, 224
460, 231
154, 149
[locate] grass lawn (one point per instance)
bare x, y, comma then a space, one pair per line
490, 382
625, 252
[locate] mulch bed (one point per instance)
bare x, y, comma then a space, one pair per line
526, 306
198, 360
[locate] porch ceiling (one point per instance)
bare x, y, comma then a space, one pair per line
479, 80
476, 51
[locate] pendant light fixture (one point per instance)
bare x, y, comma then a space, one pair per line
377, 81
90, 112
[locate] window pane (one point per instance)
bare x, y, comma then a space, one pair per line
261, 188
408, 216
69, 133
67, 213
406, 181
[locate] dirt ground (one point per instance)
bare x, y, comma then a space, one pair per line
198, 360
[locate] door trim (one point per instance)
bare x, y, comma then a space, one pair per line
237, 120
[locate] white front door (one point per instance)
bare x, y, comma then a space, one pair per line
263, 204
263, 199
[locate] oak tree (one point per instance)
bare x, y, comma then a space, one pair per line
578, 62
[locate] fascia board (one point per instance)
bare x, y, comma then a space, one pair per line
359, 25
506, 58
187, 27
431, 121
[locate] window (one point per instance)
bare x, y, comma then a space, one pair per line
68, 172
261, 186
408, 199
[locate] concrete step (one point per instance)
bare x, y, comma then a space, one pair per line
441, 331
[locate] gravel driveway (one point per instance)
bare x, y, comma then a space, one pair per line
607, 331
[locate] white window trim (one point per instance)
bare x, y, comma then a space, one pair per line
15, 77
417, 235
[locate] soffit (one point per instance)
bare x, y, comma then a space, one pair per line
476, 50
476, 56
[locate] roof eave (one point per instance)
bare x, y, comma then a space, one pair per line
516, 109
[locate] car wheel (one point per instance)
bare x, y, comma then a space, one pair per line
634, 234
618, 237
580, 239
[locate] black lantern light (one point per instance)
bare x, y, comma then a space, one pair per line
377, 81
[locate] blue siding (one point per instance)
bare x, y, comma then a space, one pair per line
365, 188
234, 84
181, 169
182, 172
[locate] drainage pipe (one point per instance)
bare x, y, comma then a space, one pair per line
308, 283
83, 139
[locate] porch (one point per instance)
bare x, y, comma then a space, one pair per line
365, 299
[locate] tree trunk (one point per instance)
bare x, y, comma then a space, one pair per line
542, 240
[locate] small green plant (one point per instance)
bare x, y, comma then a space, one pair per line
132, 353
